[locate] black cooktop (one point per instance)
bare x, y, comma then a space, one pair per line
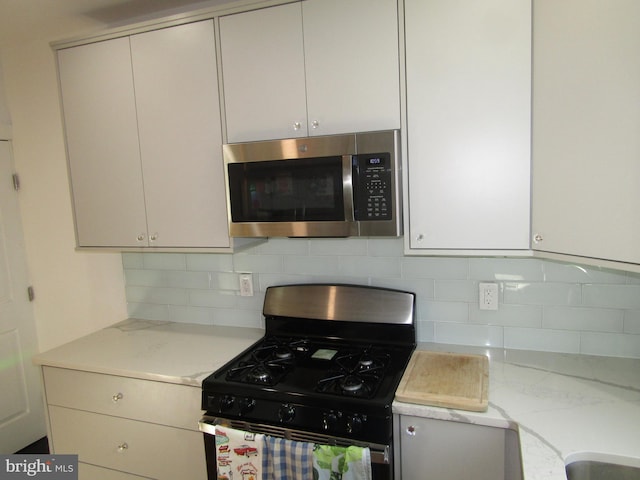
313, 367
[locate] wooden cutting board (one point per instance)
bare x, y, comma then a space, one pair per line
449, 380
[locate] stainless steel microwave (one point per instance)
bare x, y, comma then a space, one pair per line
328, 186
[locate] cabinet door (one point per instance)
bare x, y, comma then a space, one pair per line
102, 142
352, 65
180, 136
449, 450
586, 146
139, 448
263, 74
468, 123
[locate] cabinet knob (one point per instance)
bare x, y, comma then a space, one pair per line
122, 447
411, 430
537, 238
297, 126
315, 124
141, 237
154, 237
117, 397
419, 237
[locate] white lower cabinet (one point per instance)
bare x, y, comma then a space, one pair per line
449, 450
125, 427
91, 471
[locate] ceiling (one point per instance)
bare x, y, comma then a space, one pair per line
21, 20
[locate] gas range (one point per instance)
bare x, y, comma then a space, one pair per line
329, 364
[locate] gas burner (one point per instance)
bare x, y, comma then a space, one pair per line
355, 373
366, 360
351, 383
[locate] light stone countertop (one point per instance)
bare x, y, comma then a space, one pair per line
563, 405
566, 407
152, 350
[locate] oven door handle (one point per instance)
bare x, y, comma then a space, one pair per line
207, 425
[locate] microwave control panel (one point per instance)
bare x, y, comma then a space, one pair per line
373, 180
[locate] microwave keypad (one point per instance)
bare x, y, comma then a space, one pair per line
374, 187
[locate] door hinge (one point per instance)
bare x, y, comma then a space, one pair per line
16, 182
30, 293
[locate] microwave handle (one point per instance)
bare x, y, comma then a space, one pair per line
347, 187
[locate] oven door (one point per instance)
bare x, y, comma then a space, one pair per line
381, 455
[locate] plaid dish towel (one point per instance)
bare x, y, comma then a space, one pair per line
287, 459
341, 463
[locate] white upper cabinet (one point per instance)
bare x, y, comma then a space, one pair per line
102, 143
468, 73
143, 130
316, 67
181, 135
586, 140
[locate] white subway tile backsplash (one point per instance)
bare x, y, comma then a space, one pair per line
386, 247
435, 267
374, 267
456, 290
542, 293
508, 316
238, 318
583, 319
212, 298
541, 340
311, 265
613, 296
506, 269
209, 263
258, 263
543, 305
199, 315
570, 273
443, 311
610, 344
165, 261
132, 260
632, 322
160, 296
226, 281
338, 246
466, 334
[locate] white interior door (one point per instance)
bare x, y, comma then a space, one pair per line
21, 406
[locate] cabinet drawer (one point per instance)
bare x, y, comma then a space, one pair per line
139, 448
149, 401
91, 472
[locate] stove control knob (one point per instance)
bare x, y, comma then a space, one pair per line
329, 420
354, 423
246, 404
286, 412
226, 402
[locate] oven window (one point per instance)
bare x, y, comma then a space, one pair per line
299, 190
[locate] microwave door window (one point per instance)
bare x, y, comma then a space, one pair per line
301, 190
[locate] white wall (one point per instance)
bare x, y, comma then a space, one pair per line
76, 292
5, 118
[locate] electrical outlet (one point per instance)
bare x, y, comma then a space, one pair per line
488, 296
246, 285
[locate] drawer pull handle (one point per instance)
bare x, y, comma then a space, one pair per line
117, 397
122, 447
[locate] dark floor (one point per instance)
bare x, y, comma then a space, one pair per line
41, 446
